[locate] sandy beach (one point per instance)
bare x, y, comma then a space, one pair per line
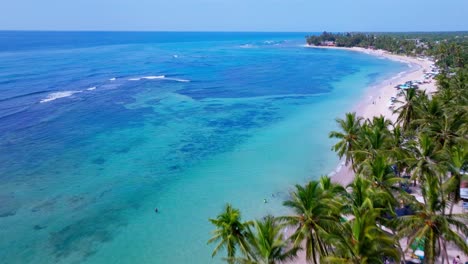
376, 100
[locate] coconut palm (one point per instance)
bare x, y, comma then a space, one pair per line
229, 233
408, 111
459, 85
397, 149
361, 241
316, 211
430, 224
431, 110
458, 159
447, 129
331, 190
350, 128
453, 91
267, 244
362, 189
374, 140
381, 174
380, 122
425, 158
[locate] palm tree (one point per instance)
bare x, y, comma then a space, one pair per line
442, 55
361, 190
397, 150
230, 232
430, 224
331, 190
458, 159
431, 110
459, 84
425, 158
361, 241
350, 129
447, 128
374, 140
408, 111
381, 174
316, 211
267, 244
380, 122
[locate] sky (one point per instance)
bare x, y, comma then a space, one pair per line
235, 15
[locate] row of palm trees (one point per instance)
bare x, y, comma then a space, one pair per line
359, 223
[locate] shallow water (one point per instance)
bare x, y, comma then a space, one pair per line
96, 130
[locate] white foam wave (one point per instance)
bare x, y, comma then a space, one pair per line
148, 78
177, 79
158, 77
57, 95
153, 77
112, 79
91, 88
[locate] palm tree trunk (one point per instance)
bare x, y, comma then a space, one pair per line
321, 245
440, 247
442, 195
444, 243
451, 208
352, 164
314, 255
402, 253
452, 204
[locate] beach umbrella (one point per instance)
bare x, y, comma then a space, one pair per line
419, 253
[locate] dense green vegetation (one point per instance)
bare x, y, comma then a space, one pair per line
365, 222
450, 44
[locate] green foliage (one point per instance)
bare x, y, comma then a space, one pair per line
316, 212
450, 48
430, 224
348, 136
360, 240
230, 232
267, 244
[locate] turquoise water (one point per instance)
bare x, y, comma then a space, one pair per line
98, 129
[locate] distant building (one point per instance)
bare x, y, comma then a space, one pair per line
414, 40
327, 43
422, 45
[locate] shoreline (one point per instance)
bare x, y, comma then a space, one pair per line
375, 101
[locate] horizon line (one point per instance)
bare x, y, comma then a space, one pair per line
217, 31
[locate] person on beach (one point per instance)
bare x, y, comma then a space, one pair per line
457, 260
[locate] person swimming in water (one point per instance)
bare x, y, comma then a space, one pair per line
265, 201
156, 210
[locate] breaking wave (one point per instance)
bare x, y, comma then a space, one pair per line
158, 77
58, 95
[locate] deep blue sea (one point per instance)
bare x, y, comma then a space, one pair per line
97, 129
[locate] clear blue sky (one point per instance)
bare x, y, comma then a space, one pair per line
235, 15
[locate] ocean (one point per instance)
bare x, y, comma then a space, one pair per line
97, 129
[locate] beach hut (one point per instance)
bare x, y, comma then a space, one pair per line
464, 191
